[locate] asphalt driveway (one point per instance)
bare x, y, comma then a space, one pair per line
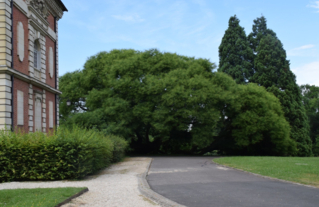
196, 181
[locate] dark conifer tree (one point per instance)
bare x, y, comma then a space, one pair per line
272, 71
235, 55
259, 31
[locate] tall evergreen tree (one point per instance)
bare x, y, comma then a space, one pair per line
259, 31
235, 55
272, 71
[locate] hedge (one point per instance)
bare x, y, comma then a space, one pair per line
65, 154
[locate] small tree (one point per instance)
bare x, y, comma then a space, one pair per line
235, 55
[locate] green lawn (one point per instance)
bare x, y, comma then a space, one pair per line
303, 170
45, 197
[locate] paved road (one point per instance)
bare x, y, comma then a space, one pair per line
196, 181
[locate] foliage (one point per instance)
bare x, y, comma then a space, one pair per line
75, 94
272, 72
42, 197
254, 124
119, 148
89, 120
235, 55
303, 170
167, 103
271, 65
150, 96
65, 154
260, 30
270, 69
310, 99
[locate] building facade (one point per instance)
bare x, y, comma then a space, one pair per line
29, 85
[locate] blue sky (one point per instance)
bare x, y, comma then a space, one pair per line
186, 27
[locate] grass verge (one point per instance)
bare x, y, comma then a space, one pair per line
303, 170
38, 197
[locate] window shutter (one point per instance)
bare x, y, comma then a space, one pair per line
20, 41
20, 108
51, 62
50, 114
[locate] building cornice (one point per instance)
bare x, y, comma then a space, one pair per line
63, 6
29, 79
55, 9
22, 6
44, 7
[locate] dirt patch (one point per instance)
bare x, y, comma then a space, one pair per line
310, 179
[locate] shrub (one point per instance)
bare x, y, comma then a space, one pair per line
65, 154
119, 145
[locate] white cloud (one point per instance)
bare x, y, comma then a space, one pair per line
304, 47
308, 73
314, 5
301, 51
129, 18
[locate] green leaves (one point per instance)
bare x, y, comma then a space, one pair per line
272, 71
260, 58
235, 55
139, 95
254, 124
310, 99
167, 103
67, 154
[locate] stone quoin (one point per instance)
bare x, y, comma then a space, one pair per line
29, 85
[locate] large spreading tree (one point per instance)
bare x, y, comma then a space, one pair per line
235, 55
167, 103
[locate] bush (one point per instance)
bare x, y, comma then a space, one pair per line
65, 154
119, 145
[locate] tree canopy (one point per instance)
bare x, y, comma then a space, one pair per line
254, 124
310, 99
168, 103
271, 69
235, 55
259, 31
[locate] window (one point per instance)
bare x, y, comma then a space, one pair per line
37, 55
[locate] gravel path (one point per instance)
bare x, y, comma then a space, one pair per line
116, 186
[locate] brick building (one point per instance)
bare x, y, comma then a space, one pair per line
29, 86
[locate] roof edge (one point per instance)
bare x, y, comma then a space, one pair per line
62, 5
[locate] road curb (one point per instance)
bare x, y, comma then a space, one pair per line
263, 176
72, 197
146, 191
